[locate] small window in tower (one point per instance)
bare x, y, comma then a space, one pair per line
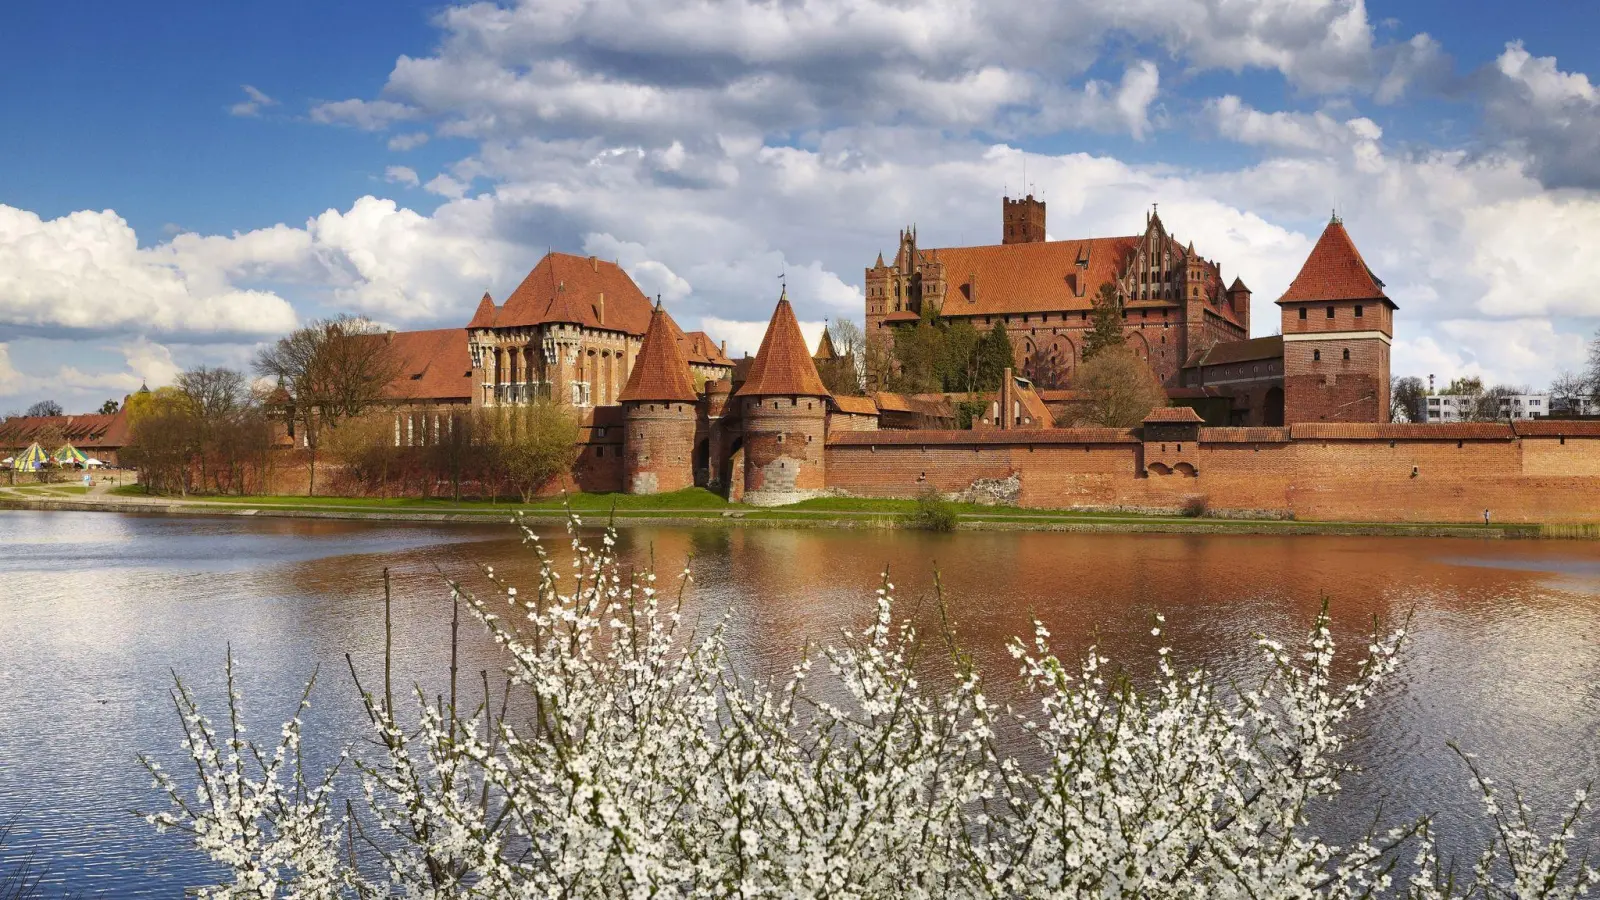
1347, 353
1316, 356
599, 451
1330, 312
1358, 310
1302, 312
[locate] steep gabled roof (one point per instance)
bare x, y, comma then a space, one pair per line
484, 317
1044, 276
1335, 271
580, 290
434, 365
660, 371
783, 365
700, 349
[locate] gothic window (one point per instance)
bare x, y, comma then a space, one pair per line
1316, 356
1347, 353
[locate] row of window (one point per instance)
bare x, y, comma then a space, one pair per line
1330, 311
1316, 355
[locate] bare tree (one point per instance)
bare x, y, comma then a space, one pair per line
44, 408
331, 370
1569, 385
216, 397
1120, 389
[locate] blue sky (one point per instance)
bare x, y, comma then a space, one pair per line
177, 187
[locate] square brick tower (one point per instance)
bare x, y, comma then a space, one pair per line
1337, 328
1024, 220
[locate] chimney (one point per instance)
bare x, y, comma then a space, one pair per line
972, 287
594, 263
724, 346
602, 312
1007, 387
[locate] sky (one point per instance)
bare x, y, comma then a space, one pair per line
178, 187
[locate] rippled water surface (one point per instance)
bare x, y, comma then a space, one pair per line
97, 611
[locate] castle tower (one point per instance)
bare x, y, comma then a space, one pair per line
1239, 299
1337, 327
658, 414
1023, 219
785, 410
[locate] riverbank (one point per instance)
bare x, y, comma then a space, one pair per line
702, 509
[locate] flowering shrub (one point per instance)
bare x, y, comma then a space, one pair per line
648, 768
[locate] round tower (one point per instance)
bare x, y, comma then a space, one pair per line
659, 413
785, 409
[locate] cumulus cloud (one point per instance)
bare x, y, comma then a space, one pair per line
664, 71
744, 338
144, 362
1551, 115
1293, 132
86, 272
251, 107
401, 175
408, 141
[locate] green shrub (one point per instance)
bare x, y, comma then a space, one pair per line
932, 513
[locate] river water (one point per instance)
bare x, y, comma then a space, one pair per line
97, 611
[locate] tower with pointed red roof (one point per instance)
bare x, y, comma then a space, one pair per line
1337, 327
785, 410
659, 413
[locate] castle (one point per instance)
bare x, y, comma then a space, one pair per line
1304, 428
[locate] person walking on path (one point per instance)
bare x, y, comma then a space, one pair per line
1486, 515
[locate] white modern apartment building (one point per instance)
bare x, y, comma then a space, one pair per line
1459, 407
1575, 406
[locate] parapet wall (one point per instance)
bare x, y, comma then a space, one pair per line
1537, 472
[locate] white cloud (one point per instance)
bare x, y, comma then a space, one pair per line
408, 141
1550, 115
367, 115
445, 186
401, 175
85, 271
1295, 132
144, 362
745, 337
253, 106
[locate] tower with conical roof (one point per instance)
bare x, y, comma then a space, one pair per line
785, 409
659, 414
1337, 327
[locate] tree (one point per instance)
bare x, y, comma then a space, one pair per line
216, 396
842, 374
994, 357
163, 440
1488, 408
44, 408
331, 370
109, 408
1469, 386
1408, 401
1119, 389
1569, 385
1105, 328
368, 448
917, 354
1593, 375
1045, 370
534, 444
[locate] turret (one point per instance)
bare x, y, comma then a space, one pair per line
785, 408
1337, 327
1023, 220
658, 414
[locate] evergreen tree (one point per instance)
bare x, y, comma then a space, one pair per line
1106, 328
994, 357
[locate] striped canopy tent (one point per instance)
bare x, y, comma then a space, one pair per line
31, 460
68, 455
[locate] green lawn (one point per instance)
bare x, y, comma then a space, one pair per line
691, 499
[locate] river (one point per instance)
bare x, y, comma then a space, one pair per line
98, 610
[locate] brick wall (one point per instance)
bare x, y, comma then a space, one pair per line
1332, 388
1526, 479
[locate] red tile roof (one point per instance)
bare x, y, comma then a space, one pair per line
857, 406
660, 371
434, 365
702, 350
1334, 271
581, 290
1443, 431
1252, 435
987, 437
88, 432
1226, 352
825, 347
484, 317
1027, 278
1181, 415
783, 365
1557, 427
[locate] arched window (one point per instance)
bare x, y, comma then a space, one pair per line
1316, 355
1347, 353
